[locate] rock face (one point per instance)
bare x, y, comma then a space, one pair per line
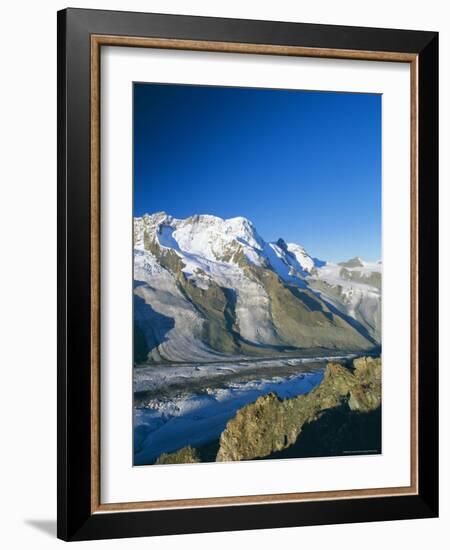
270, 424
186, 455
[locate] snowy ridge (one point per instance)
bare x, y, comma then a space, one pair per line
214, 253
202, 239
353, 287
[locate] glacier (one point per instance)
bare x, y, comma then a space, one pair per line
191, 404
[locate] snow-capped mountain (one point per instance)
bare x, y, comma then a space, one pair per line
354, 288
207, 287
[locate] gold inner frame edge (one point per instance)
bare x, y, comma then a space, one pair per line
97, 41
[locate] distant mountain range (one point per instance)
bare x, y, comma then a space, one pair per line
205, 288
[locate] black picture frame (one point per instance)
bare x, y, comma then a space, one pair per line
76, 521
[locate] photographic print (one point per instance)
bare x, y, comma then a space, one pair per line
257, 268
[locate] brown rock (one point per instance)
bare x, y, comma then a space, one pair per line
186, 455
271, 424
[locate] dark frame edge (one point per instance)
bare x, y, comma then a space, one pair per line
251, 517
428, 167
75, 521
73, 289
61, 285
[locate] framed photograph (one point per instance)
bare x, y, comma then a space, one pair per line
247, 260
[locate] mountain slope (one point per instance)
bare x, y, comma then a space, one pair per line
354, 288
207, 287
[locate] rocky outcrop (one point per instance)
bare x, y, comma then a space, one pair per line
186, 455
270, 424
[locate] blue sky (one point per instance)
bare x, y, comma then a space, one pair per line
301, 165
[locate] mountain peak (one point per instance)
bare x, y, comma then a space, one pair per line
205, 274
282, 244
352, 262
